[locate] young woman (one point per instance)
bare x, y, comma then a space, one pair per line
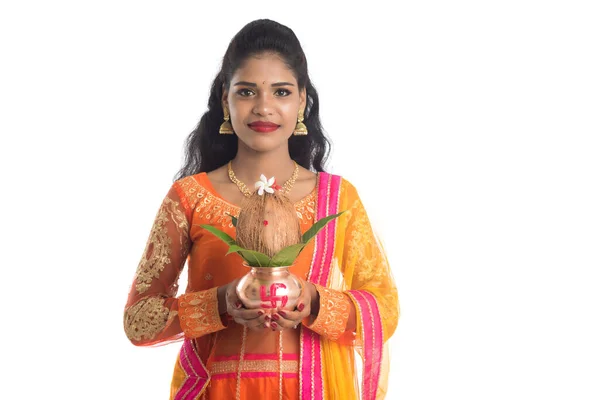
263, 118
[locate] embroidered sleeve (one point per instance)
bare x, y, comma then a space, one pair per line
366, 262
146, 318
199, 313
151, 312
334, 310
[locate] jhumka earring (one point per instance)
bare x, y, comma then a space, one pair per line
300, 127
226, 128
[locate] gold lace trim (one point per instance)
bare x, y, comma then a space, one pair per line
217, 210
146, 318
224, 367
334, 311
157, 253
305, 208
199, 313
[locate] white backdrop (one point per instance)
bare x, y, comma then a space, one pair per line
470, 129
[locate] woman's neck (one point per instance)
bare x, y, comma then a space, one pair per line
248, 166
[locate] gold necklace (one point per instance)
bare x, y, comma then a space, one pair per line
287, 186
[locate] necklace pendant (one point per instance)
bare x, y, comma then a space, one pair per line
285, 189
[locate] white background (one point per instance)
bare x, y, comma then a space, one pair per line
470, 129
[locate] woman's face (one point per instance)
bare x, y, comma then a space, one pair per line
263, 89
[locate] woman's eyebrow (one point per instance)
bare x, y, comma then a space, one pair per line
277, 84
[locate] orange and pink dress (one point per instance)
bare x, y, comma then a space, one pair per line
345, 261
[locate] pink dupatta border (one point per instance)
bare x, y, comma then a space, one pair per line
372, 335
197, 376
311, 356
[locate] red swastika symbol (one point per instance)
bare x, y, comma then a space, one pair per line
270, 300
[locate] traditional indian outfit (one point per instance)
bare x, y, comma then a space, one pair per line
218, 358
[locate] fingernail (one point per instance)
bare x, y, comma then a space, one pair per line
267, 318
238, 304
273, 325
282, 313
266, 325
260, 312
275, 317
300, 307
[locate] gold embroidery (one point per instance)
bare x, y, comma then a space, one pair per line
218, 211
369, 264
371, 270
207, 205
158, 248
189, 186
223, 367
305, 208
146, 318
199, 313
333, 315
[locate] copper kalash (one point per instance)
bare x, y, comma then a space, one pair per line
267, 224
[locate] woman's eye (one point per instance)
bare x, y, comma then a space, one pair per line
278, 92
245, 92
282, 92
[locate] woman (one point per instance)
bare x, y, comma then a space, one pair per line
263, 118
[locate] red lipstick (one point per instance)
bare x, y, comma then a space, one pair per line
262, 126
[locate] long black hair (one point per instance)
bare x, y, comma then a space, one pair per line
207, 150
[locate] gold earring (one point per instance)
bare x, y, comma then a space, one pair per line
300, 127
226, 128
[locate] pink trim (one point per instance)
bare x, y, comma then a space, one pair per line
372, 335
233, 375
334, 190
257, 356
311, 370
197, 376
321, 207
310, 366
327, 204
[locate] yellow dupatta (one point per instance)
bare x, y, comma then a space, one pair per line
351, 260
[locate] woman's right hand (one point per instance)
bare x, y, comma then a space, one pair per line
255, 319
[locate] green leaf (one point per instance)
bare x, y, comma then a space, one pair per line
233, 220
255, 258
286, 256
234, 249
218, 233
320, 224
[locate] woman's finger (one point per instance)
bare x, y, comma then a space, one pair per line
276, 326
284, 320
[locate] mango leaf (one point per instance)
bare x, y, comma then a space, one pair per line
218, 233
233, 220
234, 249
286, 256
320, 224
255, 258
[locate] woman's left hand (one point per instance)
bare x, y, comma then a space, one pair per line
287, 319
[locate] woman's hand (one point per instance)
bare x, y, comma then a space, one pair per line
254, 319
284, 319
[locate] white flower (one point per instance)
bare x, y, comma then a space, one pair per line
264, 185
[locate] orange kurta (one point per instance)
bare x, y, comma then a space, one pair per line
154, 314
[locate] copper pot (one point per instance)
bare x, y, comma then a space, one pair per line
269, 287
